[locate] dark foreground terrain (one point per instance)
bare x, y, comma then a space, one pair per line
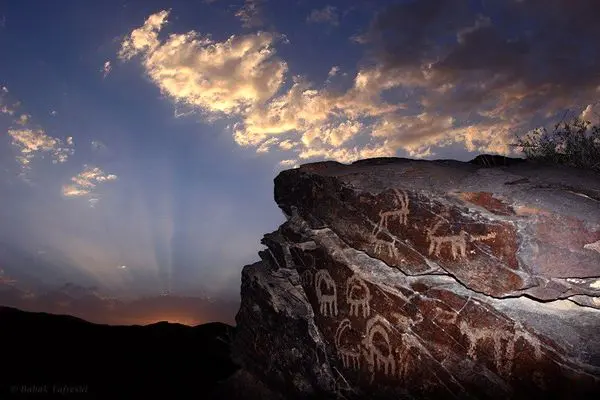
44, 354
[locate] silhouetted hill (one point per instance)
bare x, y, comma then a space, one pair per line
87, 303
44, 353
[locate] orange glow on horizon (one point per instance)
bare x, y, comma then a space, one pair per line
183, 320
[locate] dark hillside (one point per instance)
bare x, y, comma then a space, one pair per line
55, 353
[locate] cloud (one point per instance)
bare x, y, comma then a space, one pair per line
251, 14
91, 304
86, 181
5, 279
23, 119
98, 146
492, 72
289, 163
334, 135
592, 114
327, 15
348, 154
145, 38
333, 71
5, 108
106, 69
218, 77
31, 143
441, 74
318, 118
243, 78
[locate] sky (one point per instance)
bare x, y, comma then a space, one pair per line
139, 140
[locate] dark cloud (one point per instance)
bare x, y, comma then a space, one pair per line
408, 33
504, 57
328, 15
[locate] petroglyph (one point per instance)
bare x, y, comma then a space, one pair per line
458, 243
350, 357
405, 355
447, 317
311, 263
376, 359
503, 355
327, 301
593, 246
381, 246
491, 235
401, 200
403, 362
358, 295
404, 322
306, 277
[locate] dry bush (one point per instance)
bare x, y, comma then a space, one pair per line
575, 143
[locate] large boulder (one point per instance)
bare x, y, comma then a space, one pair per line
398, 278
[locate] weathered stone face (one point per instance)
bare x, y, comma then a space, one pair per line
427, 279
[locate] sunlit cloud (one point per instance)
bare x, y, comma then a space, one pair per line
23, 119
86, 181
288, 144
288, 163
348, 155
217, 77
592, 114
242, 77
411, 97
106, 69
251, 13
6, 108
266, 145
327, 14
333, 71
323, 121
145, 38
31, 143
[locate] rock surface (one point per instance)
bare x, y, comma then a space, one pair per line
398, 278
